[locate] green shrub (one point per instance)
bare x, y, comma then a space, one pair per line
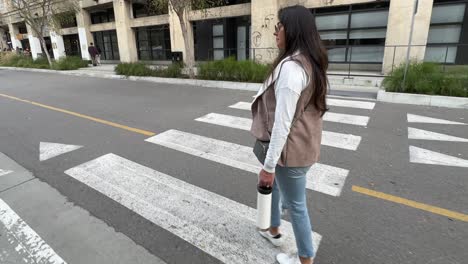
173, 71
233, 70
69, 63
133, 69
141, 69
11, 59
427, 78
39, 63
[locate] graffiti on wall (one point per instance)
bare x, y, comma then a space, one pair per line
268, 21
257, 39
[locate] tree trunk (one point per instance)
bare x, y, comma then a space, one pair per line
44, 47
189, 56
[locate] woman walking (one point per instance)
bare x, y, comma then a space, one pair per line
287, 123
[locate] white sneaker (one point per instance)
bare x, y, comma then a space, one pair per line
276, 240
286, 259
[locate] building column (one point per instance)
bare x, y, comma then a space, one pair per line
263, 43
15, 43
34, 43
125, 34
84, 22
398, 32
177, 38
57, 45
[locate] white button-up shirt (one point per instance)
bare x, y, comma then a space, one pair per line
290, 83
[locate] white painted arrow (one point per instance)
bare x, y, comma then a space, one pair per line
429, 120
49, 150
414, 133
424, 156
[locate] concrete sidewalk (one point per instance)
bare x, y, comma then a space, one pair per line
39, 225
367, 86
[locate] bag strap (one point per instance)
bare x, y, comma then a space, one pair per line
264, 101
295, 119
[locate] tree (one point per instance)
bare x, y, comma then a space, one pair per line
181, 9
43, 15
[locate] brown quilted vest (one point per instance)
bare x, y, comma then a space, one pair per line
302, 147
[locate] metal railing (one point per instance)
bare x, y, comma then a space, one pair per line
359, 60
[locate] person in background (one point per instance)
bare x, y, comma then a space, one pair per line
98, 56
287, 117
93, 52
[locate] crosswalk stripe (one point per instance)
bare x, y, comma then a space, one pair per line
26, 241
424, 156
357, 120
429, 120
414, 133
330, 101
321, 178
5, 172
215, 224
332, 139
351, 103
241, 105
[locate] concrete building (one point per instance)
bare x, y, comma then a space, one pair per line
361, 34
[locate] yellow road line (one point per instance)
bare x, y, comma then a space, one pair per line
421, 206
136, 130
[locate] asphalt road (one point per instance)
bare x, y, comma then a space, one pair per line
355, 227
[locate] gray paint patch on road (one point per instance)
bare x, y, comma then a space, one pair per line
27, 242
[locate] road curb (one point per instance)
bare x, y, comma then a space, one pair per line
254, 87
422, 99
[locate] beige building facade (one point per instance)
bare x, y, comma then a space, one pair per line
359, 34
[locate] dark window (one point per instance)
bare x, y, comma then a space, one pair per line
102, 16
48, 43
106, 42
447, 40
354, 33
72, 45
222, 3
153, 43
69, 24
221, 38
22, 30
67, 19
144, 8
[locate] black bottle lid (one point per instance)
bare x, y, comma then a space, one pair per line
264, 189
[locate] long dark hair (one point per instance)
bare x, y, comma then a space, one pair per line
302, 36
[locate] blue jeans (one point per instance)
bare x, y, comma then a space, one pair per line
290, 187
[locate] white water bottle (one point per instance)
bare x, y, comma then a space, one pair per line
263, 206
